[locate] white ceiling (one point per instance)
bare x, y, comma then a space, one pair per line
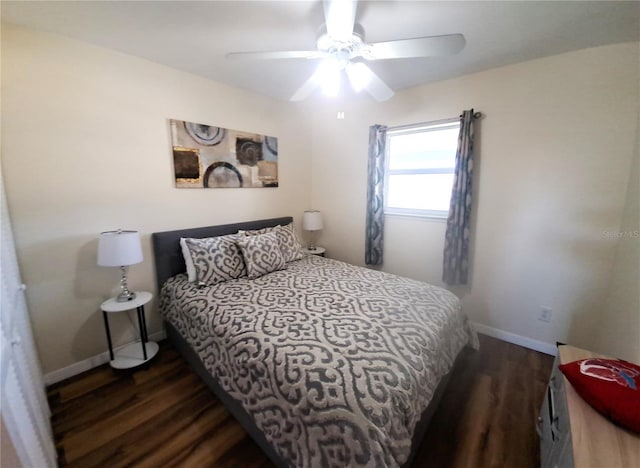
195, 36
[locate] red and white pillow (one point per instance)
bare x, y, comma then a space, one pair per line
610, 386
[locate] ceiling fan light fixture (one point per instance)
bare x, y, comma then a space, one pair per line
324, 42
328, 74
358, 75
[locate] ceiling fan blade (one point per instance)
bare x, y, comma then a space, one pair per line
339, 16
431, 46
278, 54
362, 77
307, 87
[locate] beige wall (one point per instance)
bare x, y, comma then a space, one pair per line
618, 331
554, 152
85, 148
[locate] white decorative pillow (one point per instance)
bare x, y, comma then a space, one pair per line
215, 259
191, 270
289, 243
262, 254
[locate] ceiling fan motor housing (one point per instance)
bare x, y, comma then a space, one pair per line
343, 51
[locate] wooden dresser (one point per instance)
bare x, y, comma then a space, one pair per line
573, 434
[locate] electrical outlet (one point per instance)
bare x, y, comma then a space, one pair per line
545, 314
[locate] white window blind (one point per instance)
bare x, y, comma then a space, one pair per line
420, 167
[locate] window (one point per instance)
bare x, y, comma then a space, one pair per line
420, 167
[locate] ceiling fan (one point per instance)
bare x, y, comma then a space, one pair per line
341, 46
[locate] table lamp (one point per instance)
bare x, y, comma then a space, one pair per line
312, 221
120, 248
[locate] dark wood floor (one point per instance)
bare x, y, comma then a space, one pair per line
165, 416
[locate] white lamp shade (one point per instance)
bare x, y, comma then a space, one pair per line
312, 220
119, 248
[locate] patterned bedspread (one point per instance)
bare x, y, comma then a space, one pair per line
335, 363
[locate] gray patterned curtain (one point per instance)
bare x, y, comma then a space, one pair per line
375, 195
455, 266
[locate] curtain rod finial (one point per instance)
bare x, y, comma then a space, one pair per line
476, 115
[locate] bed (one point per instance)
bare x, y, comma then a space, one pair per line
322, 362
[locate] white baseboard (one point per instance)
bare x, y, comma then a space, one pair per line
90, 363
519, 340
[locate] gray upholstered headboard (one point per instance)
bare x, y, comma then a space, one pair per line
168, 254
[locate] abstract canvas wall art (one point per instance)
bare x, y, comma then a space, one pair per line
205, 156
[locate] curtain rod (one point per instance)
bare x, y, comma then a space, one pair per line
476, 115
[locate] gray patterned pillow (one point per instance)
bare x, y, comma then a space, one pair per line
262, 254
216, 259
289, 243
257, 232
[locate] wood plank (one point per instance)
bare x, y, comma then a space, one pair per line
487, 417
165, 434
246, 454
88, 409
83, 384
81, 441
207, 450
174, 453
476, 432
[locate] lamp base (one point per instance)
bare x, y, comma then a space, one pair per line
126, 296
312, 241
